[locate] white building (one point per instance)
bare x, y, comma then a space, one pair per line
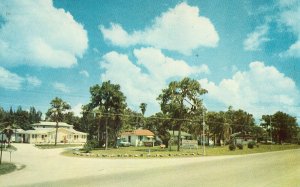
138, 137
44, 132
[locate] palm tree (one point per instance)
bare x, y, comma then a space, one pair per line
8, 131
58, 107
143, 107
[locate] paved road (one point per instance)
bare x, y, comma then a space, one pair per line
48, 168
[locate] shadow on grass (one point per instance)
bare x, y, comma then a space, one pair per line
6, 168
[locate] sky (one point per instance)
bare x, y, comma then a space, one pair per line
246, 53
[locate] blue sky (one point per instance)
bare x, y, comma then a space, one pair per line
245, 53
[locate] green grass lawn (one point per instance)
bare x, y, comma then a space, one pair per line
52, 146
10, 147
142, 152
7, 168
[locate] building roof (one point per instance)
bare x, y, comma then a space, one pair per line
139, 132
183, 134
52, 124
48, 130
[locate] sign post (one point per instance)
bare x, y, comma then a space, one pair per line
148, 144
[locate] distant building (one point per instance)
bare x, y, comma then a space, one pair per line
44, 132
184, 135
137, 137
242, 138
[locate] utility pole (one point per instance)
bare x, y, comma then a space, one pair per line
203, 132
106, 132
271, 131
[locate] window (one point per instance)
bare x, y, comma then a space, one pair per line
140, 138
32, 135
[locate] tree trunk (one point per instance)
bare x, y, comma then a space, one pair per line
179, 138
56, 126
1, 148
98, 134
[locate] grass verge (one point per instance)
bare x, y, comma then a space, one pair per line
143, 152
52, 146
7, 168
7, 148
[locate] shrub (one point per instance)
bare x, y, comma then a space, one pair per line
89, 145
251, 145
232, 147
240, 146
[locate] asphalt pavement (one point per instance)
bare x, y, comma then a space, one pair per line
49, 168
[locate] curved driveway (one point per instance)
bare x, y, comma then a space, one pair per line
49, 168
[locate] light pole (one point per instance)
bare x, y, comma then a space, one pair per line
271, 130
1, 147
95, 111
203, 132
203, 124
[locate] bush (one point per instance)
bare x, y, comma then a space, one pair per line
89, 145
232, 147
240, 146
251, 145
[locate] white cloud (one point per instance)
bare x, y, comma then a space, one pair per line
179, 29
36, 33
61, 87
255, 39
34, 81
143, 81
260, 90
84, 73
290, 16
77, 110
10, 81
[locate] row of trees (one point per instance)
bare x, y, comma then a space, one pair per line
19, 118
107, 114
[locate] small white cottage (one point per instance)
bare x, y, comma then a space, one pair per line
138, 137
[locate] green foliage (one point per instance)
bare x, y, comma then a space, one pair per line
251, 144
232, 147
239, 146
89, 146
7, 168
108, 101
143, 107
56, 112
19, 118
281, 126
160, 127
239, 120
181, 101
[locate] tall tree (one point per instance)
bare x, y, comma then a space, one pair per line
160, 124
239, 120
109, 97
143, 107
180, 100
56, 111
283, 126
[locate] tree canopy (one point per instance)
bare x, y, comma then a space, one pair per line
180, 100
